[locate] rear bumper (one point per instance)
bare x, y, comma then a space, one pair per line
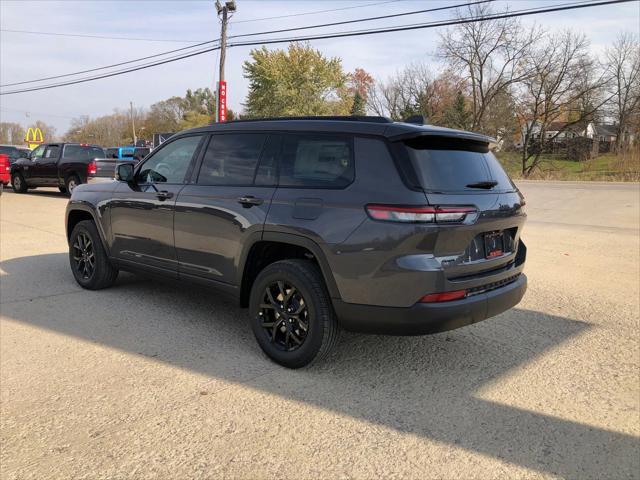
424, 318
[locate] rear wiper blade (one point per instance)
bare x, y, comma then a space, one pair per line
486, 185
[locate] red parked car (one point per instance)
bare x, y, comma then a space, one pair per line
5, 167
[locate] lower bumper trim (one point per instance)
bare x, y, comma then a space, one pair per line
425, 318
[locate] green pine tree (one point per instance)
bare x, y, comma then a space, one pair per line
457, 115
358, 107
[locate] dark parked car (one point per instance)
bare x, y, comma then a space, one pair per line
62, 165
315, 224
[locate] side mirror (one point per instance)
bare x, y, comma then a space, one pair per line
124, 172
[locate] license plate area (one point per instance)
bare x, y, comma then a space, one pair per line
493, 244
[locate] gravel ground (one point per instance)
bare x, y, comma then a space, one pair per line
146, 380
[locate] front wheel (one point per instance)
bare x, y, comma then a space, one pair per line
291, 313
89, 261
18, 184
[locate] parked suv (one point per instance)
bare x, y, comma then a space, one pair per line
315, 224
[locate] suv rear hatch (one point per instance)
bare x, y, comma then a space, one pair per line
457, 172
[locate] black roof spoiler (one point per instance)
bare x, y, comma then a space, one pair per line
340, 118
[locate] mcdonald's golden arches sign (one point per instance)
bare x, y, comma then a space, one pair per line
34, 137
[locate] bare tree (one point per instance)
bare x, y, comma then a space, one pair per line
491, 54
563, 75
623, 64
403, 94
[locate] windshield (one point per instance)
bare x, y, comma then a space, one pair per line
457, 167
83, 151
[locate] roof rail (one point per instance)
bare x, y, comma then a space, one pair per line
340, 118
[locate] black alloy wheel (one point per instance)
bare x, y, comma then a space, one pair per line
292, 316
88, 259
284, 315
84, 256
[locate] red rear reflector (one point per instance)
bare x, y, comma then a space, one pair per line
444, 296
395, 213
92, 168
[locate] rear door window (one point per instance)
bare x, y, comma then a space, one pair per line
446, 166
316, 161
231, 159
52, 151
82, 152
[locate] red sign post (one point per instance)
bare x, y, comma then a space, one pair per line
222, 101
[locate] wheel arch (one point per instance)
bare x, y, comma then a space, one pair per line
76, 213
270, 247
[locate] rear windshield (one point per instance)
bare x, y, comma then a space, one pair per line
456, 167
82, 152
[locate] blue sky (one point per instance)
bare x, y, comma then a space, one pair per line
25, 57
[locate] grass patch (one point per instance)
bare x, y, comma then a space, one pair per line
624, 167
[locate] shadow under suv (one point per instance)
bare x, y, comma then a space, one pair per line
314, 224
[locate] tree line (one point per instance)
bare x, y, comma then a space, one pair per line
497, 77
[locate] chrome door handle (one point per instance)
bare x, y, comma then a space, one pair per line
163, 195
249, 201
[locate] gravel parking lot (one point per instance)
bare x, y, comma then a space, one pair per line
146, 380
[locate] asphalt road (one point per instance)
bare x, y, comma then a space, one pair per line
146, 380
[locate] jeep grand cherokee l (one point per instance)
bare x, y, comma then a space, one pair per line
315, 224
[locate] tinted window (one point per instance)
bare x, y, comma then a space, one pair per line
112, 153
267, 172
170, 163
231, 159
452, 168
52, 152
83, 152
316, 161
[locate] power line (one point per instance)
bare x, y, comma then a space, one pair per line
142, 39
108, 66
415, 12
381, 17
517, 13
316, 12
441, 23
103, 37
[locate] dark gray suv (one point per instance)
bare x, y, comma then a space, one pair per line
314, 224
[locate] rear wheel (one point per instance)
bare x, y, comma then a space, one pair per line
291, 313
89, 262
72, 182
18, 184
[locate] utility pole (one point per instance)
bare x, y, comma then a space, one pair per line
133, 125
223, 10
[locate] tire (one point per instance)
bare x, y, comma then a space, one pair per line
296, 279
62, 189
103, 274
18, 184
71, 183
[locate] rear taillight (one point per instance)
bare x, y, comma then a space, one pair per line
395, 213
92, 168
444, 296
